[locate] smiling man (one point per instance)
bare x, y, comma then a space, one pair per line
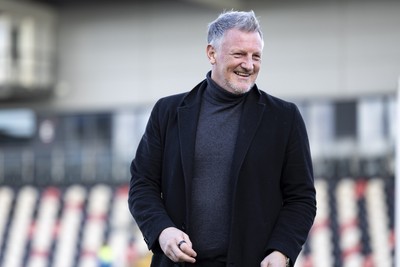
223, 173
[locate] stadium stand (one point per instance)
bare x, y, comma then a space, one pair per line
68, 225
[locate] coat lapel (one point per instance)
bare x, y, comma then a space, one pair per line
249, 122
187, 122
188, 114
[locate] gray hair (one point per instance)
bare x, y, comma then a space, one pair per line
241, 20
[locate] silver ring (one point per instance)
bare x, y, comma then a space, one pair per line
180, 243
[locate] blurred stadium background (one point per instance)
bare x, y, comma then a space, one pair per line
78, 79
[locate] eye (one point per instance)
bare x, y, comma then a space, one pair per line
237, 55
257, 58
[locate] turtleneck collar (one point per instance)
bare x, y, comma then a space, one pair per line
217, 93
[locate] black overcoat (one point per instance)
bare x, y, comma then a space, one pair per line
274, 201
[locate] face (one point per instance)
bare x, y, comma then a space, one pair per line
236, 61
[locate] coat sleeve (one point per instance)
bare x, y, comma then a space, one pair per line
145, 195
298, 192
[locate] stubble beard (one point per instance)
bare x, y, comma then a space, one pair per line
238, 90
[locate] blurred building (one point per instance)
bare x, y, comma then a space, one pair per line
78, 79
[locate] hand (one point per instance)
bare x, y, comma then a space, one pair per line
169, 240
275, 259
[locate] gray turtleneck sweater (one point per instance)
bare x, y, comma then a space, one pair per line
211, 192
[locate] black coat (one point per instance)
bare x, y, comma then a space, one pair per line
274, 196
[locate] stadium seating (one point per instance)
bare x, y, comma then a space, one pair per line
66, 226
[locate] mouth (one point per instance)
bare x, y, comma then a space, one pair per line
242, 74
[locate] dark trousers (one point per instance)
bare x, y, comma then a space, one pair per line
206, 263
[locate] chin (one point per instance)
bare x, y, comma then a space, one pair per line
238, 88
242, 89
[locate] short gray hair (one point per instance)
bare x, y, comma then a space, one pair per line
241, 20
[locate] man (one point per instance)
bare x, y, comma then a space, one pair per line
223, 173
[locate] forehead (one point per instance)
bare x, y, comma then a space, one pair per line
237, 39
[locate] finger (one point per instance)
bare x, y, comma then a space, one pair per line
186, 248
182, 256
188, 241
180, 243
185, 240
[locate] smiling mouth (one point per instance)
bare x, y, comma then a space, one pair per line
242, 74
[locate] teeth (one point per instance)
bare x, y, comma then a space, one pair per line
242, 74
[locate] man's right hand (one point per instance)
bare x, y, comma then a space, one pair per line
169, 240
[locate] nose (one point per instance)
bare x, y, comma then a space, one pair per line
247, 64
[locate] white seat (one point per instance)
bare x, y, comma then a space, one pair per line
70, 224
378, 223
6, 199
95, 223
350, 234
120, 226
45, 227
320, 234
20, 227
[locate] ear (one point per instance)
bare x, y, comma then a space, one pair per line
211, 54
